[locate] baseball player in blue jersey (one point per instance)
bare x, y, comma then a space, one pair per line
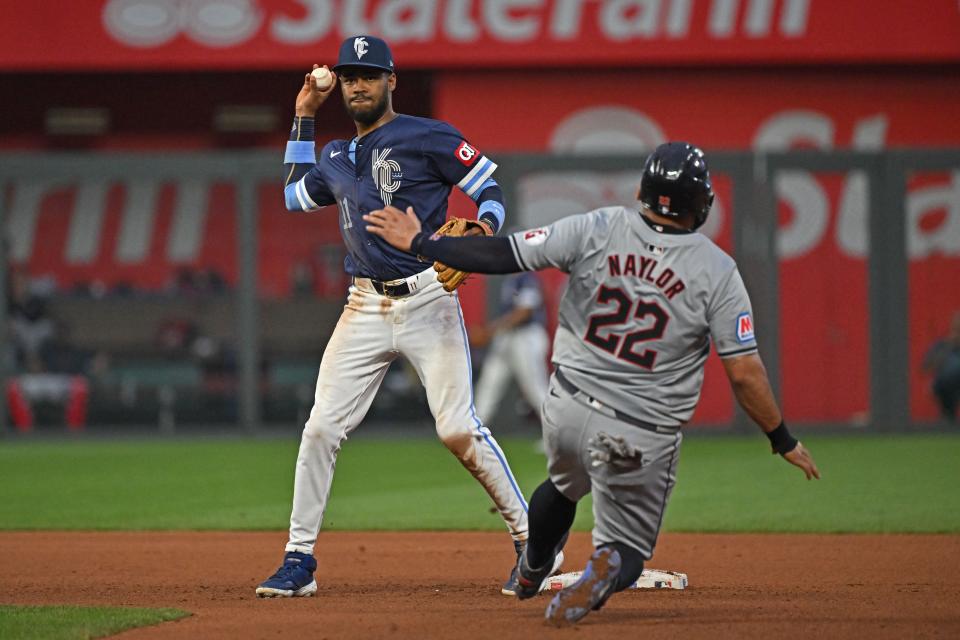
518, 346
396, 306
646, 297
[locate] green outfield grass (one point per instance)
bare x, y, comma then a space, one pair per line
870, 484
77, 623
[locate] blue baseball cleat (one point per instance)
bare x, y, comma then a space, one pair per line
521, 582
293, 579
589, 592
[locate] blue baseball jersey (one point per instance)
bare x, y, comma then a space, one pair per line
407, 162
523, 290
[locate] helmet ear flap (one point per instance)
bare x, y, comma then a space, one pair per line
701, 216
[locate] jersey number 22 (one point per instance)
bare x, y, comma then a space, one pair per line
623, 346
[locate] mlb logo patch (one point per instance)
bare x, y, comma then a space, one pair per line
465, 153
744, 328
664, 201
536, 237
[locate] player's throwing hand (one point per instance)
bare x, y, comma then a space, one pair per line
394, 226
310, 97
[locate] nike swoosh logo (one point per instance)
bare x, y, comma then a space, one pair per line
334, 154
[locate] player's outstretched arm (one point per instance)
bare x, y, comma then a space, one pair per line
748, 377
478, 254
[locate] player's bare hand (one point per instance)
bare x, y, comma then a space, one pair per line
310, 97
394, 226
800, 457
482, 230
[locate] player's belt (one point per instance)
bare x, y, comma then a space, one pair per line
401, 287
391, 289
573, 390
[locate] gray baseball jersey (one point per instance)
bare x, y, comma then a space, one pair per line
640, 309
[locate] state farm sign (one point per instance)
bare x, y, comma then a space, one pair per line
165, 34
217, 23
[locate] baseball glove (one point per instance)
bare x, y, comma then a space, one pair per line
449, 277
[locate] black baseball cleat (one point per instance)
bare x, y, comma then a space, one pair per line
525, 582
589, 593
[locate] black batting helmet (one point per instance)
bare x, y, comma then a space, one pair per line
676, 182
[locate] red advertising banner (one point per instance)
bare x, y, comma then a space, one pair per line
233, 34
823, 217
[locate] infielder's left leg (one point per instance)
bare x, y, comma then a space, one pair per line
434, 340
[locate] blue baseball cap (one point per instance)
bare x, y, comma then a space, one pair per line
365, 51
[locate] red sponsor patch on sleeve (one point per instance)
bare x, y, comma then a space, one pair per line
744, 328
466, 154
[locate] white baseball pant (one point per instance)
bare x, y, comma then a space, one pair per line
427, 328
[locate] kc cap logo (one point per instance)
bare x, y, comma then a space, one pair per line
744, 328
360, 46
364, 51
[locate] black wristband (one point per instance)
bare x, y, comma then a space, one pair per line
781, 440
417, 242
302, 129
491, 220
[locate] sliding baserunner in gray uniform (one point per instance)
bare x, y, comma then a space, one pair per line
645, 298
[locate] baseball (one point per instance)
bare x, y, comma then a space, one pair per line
322, 78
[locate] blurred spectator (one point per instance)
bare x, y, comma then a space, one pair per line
96, 290
943, 360
32, 329
198, 282
175, 336
48, 368
182, 339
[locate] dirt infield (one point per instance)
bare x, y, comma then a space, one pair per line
446, 585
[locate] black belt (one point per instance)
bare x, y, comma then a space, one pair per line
397, 290
570, 388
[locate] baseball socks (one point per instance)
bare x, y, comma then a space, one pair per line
551, 515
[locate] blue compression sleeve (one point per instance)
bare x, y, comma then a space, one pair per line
490, 205
300, 154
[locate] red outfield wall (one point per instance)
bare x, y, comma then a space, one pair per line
823, 269
618, 96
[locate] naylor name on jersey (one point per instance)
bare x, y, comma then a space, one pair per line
665, 279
